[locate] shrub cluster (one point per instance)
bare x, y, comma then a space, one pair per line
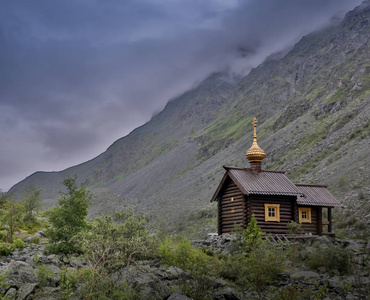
332, 257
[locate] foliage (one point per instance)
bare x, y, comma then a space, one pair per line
11, 217
109, 248
6, 249
257, 268
258, 263
252, 235
69, 218
45, 274
295, 228
332, 258
4, 285
78, 282
18, 243
199, 266
32, 202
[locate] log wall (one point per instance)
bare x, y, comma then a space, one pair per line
286, 212
231, 208
314, 226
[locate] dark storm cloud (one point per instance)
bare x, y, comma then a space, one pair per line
76, 75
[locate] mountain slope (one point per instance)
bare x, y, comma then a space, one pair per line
313, 109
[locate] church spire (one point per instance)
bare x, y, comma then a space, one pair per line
255, 154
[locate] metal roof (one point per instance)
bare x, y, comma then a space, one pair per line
264, 183
316, 195
276, 183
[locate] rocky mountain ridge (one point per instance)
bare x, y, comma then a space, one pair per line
313, 109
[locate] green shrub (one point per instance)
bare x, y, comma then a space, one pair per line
110, 248
18, 243
35, 240
45, 274
332, 258
257, 269
81, 282
200, 267
3, 235
6, 249
252, 234
4, 285
295, 228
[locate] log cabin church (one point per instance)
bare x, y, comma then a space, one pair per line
271, 197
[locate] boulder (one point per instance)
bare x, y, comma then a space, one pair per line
11, 294
178, 295
152, 289
25, 290
77, 262
304, 276
21, 273
226, 294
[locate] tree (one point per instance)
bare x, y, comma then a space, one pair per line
69, 218
12, 213
252, 234
31, 201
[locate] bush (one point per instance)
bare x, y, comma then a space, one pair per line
109, 249
200, 267
295, 228
3, 235
69, 218
80, 282
18, 243
259, 264
6, 249
45, 274
332, 258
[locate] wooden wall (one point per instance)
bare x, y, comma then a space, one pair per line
313, 227
235, 209
231, 208
256, 203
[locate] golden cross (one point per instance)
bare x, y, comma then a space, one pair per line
254, 122
254, 127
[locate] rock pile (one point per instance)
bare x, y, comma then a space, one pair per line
155, 281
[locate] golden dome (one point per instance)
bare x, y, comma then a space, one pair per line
255, 153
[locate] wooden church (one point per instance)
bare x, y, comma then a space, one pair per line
271, 197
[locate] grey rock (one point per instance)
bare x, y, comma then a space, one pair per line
219, 282
178, 295
21, 272
49, 293
42, 232
77, 261
25, 290
367, 249
304, 275
354, 246
226, 294
11, 294
53, 259
174, 273
323, 240
28, 240
153, 289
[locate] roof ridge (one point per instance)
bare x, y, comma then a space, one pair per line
249, 169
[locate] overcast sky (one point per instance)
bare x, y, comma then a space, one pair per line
76, 75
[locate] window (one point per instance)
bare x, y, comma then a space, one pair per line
304, 214
272, 212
